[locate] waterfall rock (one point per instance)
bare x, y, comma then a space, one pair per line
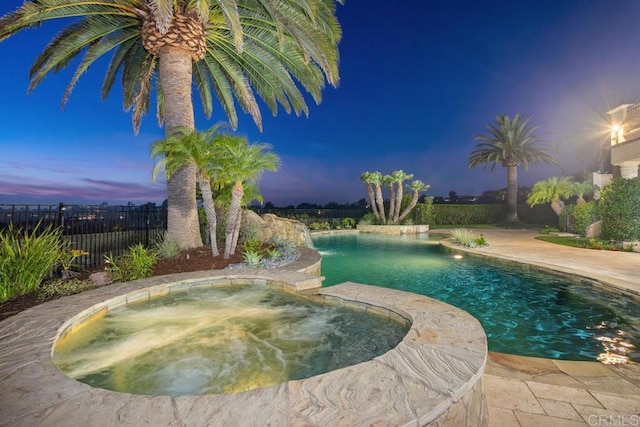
269, 226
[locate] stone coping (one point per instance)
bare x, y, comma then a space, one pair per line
393, 229
581, 276
433, 376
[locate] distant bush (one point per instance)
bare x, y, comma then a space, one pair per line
348, 222
467, 214
368, 219
619, 201
26, 258
423, 212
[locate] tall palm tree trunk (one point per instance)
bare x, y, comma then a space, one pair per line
412, 204
210, 211
175, 77
234, 211
399, 195
372, 200
380, 203
392, 200
512, 193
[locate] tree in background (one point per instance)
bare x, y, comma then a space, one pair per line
551, 190
395, 182
510, 142
581, 189
235, 49
366, 178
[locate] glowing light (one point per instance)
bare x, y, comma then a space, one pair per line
457, 257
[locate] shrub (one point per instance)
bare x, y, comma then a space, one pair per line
565, 219
26, 258
252, 258
548, 230
423, 212
583, 216
165, 247
619, 201
348, 222
252, 245
336, 224
467, 214
137, 263
466, 238
368, 219
319, 225
480, 241
61, 288
600, 245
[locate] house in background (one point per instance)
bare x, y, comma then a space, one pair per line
625, 144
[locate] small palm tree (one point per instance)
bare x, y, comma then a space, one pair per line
197, 148
241, 162
510, 143
581, 189
551, 190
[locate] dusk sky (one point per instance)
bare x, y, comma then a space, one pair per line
419, 79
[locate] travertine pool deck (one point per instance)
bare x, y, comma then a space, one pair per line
520, 391
533, 392
433, 377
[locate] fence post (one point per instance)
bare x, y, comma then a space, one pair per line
146, 226
61, 208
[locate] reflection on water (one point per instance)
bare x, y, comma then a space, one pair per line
220, 340
522, 312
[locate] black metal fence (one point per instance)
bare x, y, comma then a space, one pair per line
99, 230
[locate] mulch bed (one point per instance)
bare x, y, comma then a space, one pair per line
189, 260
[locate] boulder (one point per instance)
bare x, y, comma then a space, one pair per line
594, 230
269, 226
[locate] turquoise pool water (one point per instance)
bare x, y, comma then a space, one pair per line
525, 313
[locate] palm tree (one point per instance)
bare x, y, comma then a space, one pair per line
510, 143
366, 178
580, 189
376, 179
198, 149
389, 182
551, 190
417, 187
241, 162
399, 177
227, 47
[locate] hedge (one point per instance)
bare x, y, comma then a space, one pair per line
619, 209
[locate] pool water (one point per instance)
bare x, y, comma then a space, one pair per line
522, 312
220, 340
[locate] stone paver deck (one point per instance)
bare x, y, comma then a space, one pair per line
531, 392
432, 377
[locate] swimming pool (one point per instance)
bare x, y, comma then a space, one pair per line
522, 312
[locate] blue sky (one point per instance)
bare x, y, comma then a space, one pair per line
418, 80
